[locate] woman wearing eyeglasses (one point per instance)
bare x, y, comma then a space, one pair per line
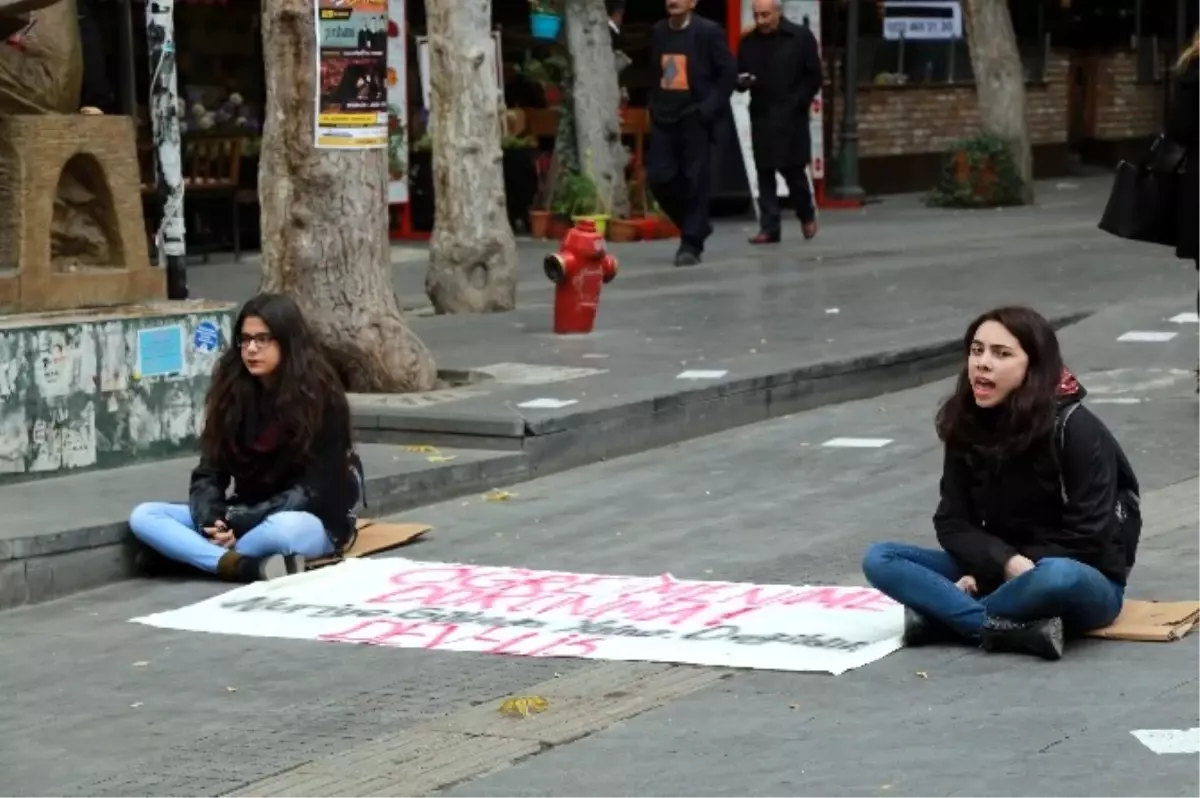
277, 429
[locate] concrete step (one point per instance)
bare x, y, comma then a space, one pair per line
66, 534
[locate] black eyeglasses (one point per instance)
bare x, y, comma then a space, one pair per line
258, 339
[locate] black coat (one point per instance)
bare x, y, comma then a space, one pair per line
264, 486
992, 511
787, 79
1183, 127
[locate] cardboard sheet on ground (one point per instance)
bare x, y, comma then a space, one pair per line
1152, 621
374, 537
520, 612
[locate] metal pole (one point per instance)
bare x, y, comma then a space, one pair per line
848, 187
164, 120
127, 92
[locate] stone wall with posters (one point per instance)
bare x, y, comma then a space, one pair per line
105, 388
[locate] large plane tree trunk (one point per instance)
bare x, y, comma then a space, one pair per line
596, 99
324, 222
1000, 81
472, 254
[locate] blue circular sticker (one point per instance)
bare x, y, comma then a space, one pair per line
207, 337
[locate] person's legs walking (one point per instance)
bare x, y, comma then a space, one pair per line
696, 161
924, 580
169, 530
800, 187
663, 171
769, 221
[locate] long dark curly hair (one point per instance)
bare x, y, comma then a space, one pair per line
1026, 418
304, 393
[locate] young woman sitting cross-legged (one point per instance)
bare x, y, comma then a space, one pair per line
1039, 516
277, 427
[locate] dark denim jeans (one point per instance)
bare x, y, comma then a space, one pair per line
923, 580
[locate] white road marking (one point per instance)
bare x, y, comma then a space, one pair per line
549, 404
1186, 318
857, 443
1170, 741
701, 374
1116, 400
1148, 336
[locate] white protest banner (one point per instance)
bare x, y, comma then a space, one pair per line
521, 612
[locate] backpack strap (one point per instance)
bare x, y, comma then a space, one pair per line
1060, 441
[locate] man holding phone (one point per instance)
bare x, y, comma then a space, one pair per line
779, 63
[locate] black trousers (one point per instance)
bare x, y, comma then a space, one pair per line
768, 197
679, 172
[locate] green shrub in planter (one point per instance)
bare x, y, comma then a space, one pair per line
980, 172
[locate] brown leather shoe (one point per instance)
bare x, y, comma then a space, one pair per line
810, 230
765, 238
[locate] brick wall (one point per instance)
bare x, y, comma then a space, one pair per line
1125, 109
920, 119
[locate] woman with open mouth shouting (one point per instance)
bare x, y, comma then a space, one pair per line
1039, 514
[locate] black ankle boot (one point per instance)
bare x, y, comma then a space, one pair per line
234, 567
148, 562
921, 631
1043, 638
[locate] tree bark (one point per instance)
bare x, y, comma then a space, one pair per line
1000, 81
324, 222
596, 97
472, 254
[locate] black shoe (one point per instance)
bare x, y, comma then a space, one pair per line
148, 562
1042, 638
685, 257
921, 631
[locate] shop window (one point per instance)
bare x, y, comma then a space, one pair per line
922, 42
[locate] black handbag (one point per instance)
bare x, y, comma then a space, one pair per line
1143, 205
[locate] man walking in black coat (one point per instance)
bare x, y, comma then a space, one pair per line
693, 74
780, 65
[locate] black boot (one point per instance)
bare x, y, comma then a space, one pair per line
921, 631
234, 567
1042, 638
148, 562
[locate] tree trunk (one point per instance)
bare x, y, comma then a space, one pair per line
596, 98
324, 222
1000, 80
472, 254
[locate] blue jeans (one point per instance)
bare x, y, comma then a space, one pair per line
923, 580
169, 530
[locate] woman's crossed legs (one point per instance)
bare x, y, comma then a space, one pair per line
1057, 587
169, 530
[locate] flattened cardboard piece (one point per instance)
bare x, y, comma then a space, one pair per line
1152, 621
374, 537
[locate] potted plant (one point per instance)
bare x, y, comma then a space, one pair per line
980, 172
548, 74
545, 19
540, 215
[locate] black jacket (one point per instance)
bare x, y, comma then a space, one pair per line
711, 74
263, 485
991, 511
1183, 126
788, 77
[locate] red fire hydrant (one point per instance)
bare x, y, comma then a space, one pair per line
578, 270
